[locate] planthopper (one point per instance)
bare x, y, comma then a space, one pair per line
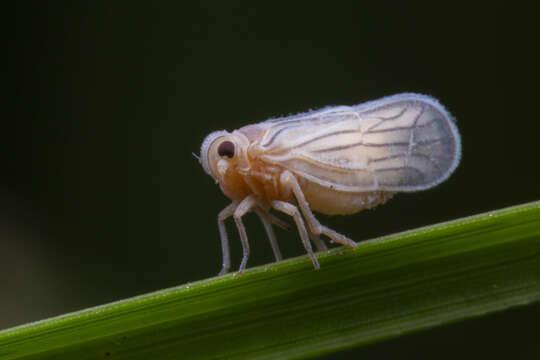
336, 160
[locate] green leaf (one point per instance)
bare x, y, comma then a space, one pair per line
384, 288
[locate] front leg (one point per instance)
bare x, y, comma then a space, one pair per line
222, 216
245, 205
288, 180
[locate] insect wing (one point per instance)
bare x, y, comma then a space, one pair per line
404, 142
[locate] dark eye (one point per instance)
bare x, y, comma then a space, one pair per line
226, 148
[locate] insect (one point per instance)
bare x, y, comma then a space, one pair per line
336, 160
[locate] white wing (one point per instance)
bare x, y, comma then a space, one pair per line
404, 142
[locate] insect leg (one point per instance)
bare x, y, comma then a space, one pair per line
274, 220
242, 208
222, 216
293, 211
319, 243
267, 222
288, 179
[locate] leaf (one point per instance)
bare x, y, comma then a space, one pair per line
384, 288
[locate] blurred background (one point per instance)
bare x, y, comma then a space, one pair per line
102, 199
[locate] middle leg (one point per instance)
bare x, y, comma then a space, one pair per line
267, 221
243, 207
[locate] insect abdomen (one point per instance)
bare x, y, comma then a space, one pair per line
332, 202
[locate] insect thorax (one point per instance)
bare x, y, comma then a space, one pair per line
264, 181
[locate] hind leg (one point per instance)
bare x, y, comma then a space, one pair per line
293, 211
289, 180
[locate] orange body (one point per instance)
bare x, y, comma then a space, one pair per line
255, 176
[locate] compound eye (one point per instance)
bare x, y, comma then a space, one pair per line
226, 149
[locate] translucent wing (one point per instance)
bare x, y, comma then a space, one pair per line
404, 142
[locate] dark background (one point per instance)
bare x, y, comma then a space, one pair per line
101, 198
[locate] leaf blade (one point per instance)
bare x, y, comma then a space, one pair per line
384, 288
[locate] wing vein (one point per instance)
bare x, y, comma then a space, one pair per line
320, 137
383, 119
404, 155
276, 134
349, 146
